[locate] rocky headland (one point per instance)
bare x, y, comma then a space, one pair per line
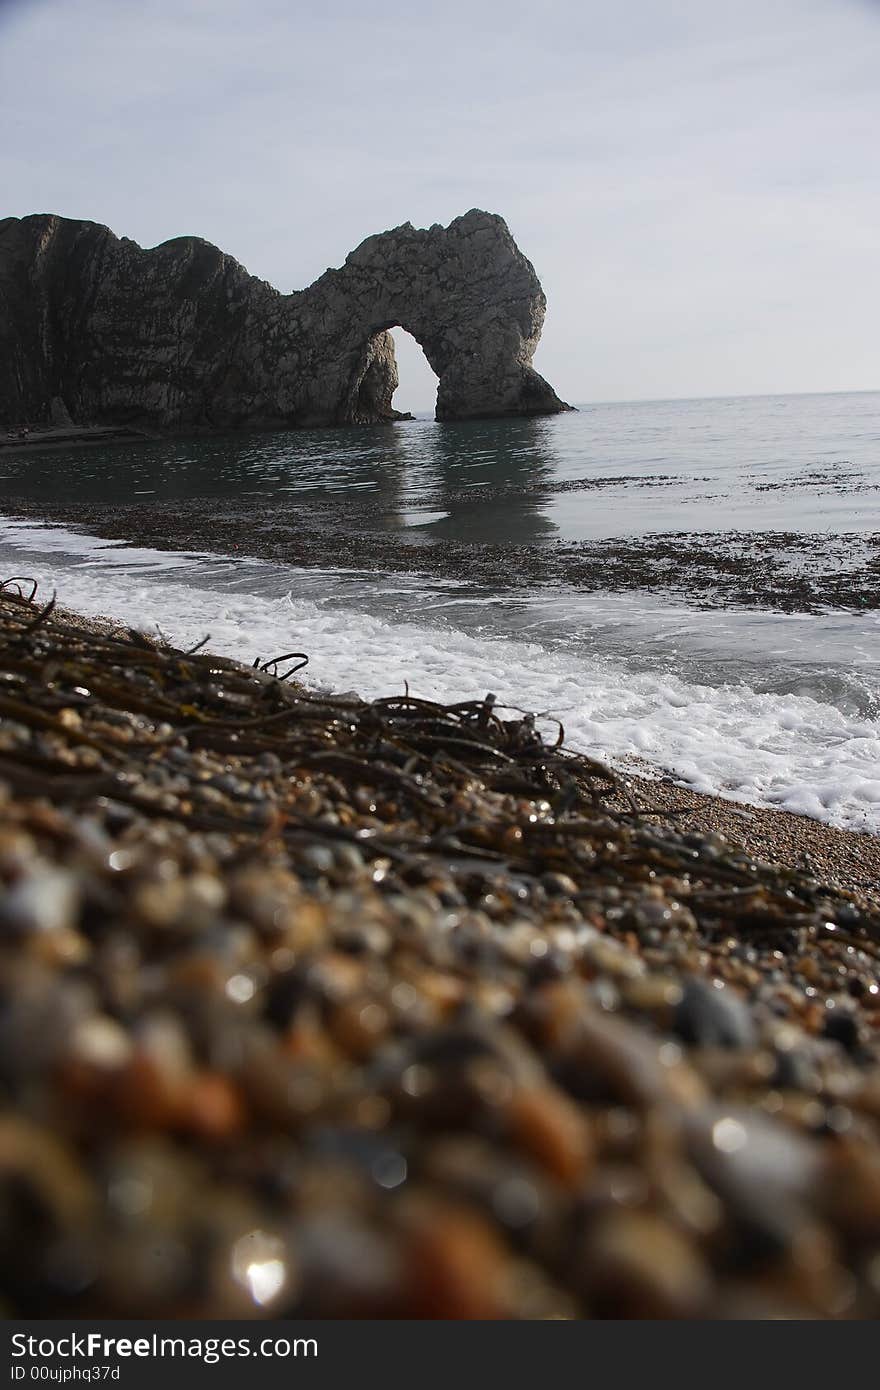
97, 331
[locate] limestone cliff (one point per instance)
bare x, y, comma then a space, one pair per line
181, 337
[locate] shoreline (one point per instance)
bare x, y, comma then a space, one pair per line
847, 859
799, 839
66, 437
773, 571
408, 998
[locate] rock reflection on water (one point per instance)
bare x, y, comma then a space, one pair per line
804, 464
489, 483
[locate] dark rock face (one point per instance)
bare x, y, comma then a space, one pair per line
95, 329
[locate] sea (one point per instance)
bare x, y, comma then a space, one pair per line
765, 703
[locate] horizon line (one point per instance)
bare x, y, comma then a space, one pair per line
736, 396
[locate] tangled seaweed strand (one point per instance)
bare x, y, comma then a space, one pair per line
318, 1006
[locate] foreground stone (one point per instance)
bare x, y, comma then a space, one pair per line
96, 330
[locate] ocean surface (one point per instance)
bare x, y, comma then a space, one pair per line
763, 706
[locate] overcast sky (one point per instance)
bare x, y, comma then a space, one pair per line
697, 182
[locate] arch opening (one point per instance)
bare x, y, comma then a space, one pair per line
416, 393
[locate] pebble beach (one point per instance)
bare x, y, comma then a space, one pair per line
320, 1006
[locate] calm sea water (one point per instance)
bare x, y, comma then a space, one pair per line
771, 708
804, 463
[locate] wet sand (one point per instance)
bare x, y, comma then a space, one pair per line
846, 858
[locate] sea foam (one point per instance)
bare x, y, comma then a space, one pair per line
782, 750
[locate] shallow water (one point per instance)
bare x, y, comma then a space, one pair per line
774, 708
792, 463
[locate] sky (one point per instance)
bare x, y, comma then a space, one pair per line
696, 182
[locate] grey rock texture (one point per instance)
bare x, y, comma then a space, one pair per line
96, 330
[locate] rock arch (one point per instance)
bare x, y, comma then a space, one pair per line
181, 336
467, 295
